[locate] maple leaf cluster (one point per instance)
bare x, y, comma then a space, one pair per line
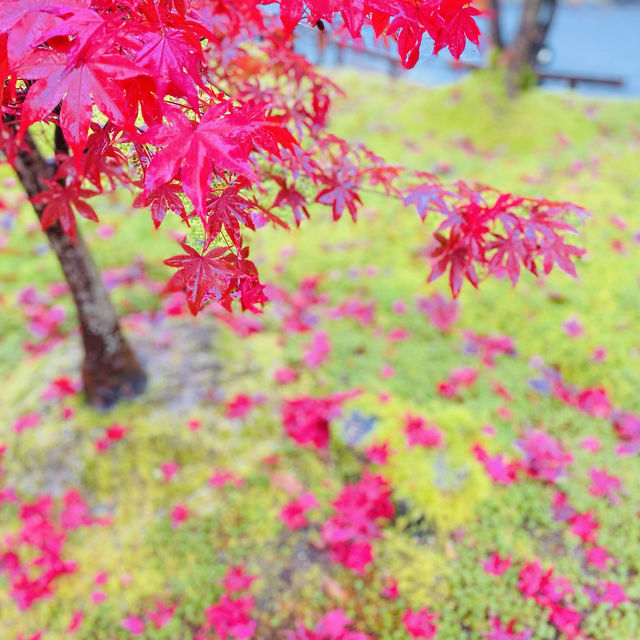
334, 625
33, 557
596, 402
359, 509
420, 624
230, 617
550, 593
205, 110
306, 420
499, 235
294, 514
544, 456
419, 432
544, 459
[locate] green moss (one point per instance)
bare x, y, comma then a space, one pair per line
450, 518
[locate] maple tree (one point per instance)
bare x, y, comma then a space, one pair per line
204, 109
521, 55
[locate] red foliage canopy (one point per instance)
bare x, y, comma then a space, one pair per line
204, 109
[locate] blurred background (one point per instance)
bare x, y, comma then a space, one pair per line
597, 40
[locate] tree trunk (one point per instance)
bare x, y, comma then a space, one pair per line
536, 19
495, 32
110, 370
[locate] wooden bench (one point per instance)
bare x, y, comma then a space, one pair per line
572, 79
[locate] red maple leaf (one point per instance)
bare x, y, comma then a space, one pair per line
294, 513
60, 203
25, 30
557, 251
604, 484
199, 274
162, 199
289, 195
453, 255
291, 13
193, 149
230, 618
421, 623
340, 194
173, 56
78, 81
229, 210
510, 251
102, 158
426, 196
353, 15
237, 580
408, 27
459, 26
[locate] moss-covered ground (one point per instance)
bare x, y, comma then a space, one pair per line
361, 285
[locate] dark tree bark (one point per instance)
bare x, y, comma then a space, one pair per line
110, 370
495, 32
537, 16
